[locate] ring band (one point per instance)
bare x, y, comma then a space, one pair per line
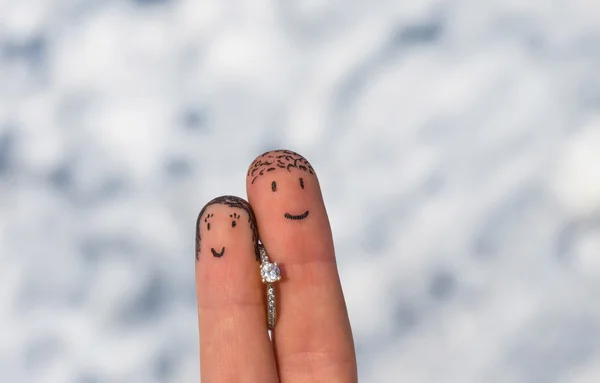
269, 273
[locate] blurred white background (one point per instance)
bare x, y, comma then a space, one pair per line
457, 143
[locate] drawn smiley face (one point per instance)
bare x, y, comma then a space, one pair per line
207, 221
234, 218
293, 173
288, 215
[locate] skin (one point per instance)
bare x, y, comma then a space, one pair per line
312, 341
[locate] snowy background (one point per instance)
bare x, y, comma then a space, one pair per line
457, 143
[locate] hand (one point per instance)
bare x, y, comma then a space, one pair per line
312, 339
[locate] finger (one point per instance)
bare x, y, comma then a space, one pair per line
313, 339
234, 343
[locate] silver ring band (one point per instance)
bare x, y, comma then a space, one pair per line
272, 310
270, 274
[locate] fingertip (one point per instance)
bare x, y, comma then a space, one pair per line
221, 221
282, 186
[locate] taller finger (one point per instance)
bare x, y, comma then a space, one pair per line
313, 339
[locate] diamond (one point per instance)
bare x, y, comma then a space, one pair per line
270, 272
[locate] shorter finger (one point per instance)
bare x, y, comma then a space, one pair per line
234, 342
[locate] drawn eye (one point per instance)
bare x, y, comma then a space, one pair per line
273, 186
234, 216
301, 182
208, 226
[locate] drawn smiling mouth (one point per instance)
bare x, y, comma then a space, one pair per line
301, 216
218, 255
